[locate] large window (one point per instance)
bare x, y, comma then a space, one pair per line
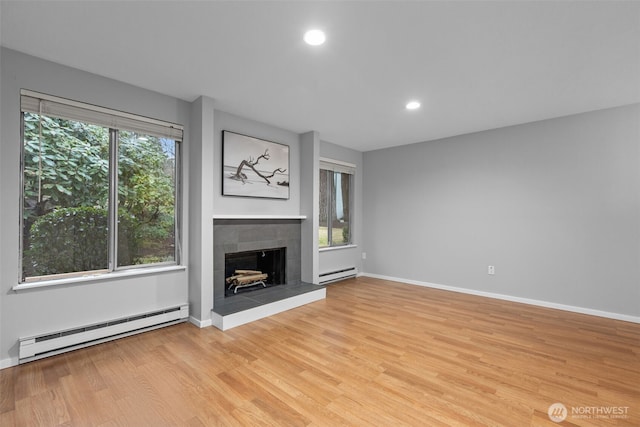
336, 184
100, 189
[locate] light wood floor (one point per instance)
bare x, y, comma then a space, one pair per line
375, 353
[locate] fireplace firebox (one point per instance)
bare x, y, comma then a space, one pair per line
250, 270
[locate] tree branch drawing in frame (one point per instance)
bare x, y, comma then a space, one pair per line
254, 167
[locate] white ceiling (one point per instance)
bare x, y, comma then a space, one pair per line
474, 65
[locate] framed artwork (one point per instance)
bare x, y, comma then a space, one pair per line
254, 167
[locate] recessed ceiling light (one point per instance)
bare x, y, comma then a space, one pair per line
413, 105
314, 37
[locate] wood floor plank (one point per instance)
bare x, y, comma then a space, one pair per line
374, 353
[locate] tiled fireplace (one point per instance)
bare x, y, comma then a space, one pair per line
241, 243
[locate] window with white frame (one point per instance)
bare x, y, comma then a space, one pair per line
336, 193
100, 189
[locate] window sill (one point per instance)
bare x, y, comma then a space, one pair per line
335, 248
135, 272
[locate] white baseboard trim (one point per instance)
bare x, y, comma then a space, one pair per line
8, 363
200, 323
546, 304
236, 319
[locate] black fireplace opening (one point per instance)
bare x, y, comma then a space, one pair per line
252, 270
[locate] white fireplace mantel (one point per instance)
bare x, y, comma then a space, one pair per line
258, 216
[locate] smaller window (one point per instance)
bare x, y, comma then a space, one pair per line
336, 194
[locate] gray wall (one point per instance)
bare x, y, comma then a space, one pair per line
553, 205
31, 312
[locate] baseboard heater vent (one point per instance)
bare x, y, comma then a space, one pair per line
333, 276
53, 343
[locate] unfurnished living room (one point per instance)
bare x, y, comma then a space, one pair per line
319, 213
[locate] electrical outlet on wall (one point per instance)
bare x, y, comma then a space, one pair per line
491, 270
364, 255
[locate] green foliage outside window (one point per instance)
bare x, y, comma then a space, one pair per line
68, 240
66, 197
66, 163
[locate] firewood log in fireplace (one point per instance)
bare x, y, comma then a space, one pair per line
243, 278
248, 272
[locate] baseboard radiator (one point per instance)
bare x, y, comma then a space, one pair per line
45, 345
332, 276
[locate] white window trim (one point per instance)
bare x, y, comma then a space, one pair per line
337, 165
98, 277
335, 248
